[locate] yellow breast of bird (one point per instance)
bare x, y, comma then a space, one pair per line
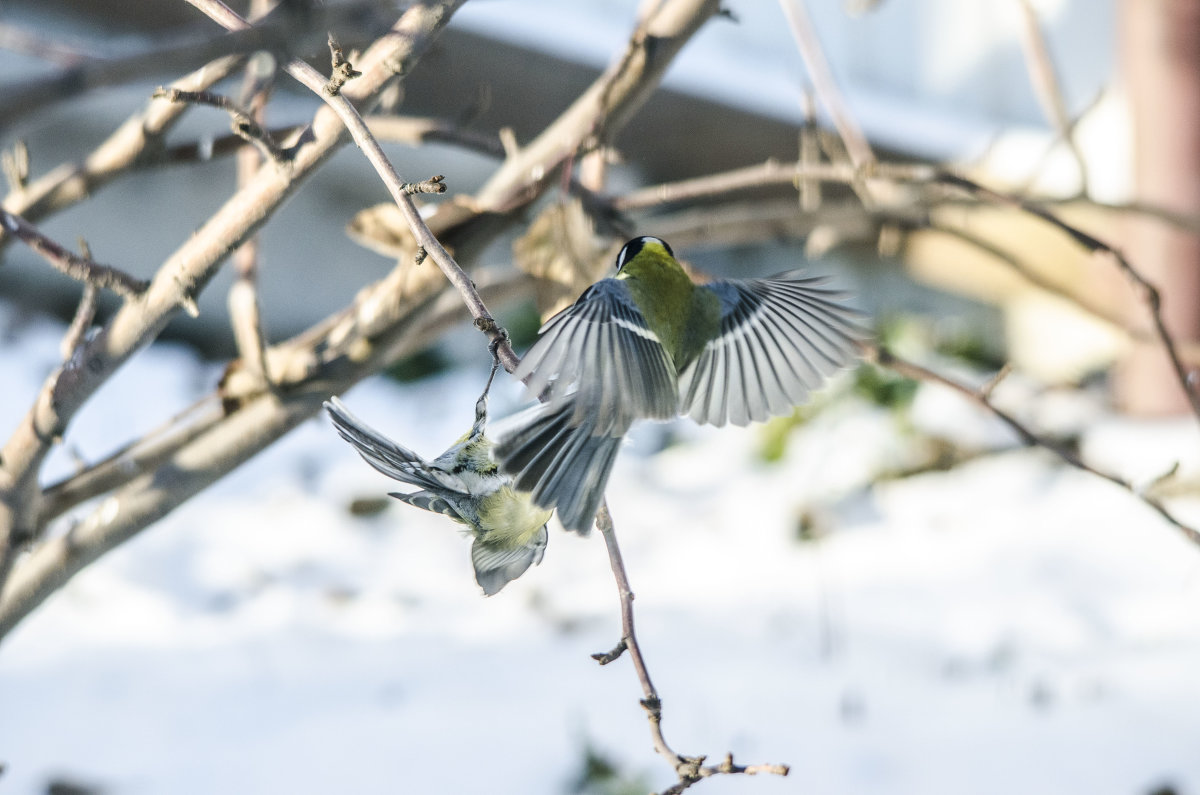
512, 516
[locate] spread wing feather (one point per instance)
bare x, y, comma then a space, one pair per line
779, 339
393, 460
600, 354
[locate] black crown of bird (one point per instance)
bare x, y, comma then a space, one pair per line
649, 343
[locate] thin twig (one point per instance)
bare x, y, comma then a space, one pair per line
81, 322
242, 122
73, 265
282, 33
771, 172
810, 154
1149, 293
411, 130
84, 313
15, 164
982, 398
857, 146
341, 70
1048, 87
689, 769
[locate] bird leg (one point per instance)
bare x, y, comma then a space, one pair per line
481, 404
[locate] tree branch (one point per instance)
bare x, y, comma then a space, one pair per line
282, 33
181, 277
79, 268
1047, 86
983, 398
243, 123
690, 769
1149, 293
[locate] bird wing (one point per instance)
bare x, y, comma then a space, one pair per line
779, 338
562, 464
393, 460
443, 503
600, 354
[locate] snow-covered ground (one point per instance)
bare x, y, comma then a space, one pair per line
1007, 627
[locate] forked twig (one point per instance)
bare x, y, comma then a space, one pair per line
690, 769
983, 398
80, 268
242, 121
1149, 293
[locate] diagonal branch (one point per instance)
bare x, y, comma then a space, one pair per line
181, 277
857, 146
1149, 293
79, 268
982, 397
1048, 87
282, 32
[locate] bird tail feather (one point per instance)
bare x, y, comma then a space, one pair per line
497, 565
564, 466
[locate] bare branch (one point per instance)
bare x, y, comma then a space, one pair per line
73, 265
180, 278
15, 164
1048, 87
982, 398
243, 301
341, 69
771, 173
130, 145
613, 97
81, 322
243, 124
857, 146
411, 130
151, 478
689, 769
400, 191
84, 313
282, 33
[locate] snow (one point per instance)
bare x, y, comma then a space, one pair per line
1007, 626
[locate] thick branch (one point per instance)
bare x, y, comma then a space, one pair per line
183, 275
389, 319
604, 108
